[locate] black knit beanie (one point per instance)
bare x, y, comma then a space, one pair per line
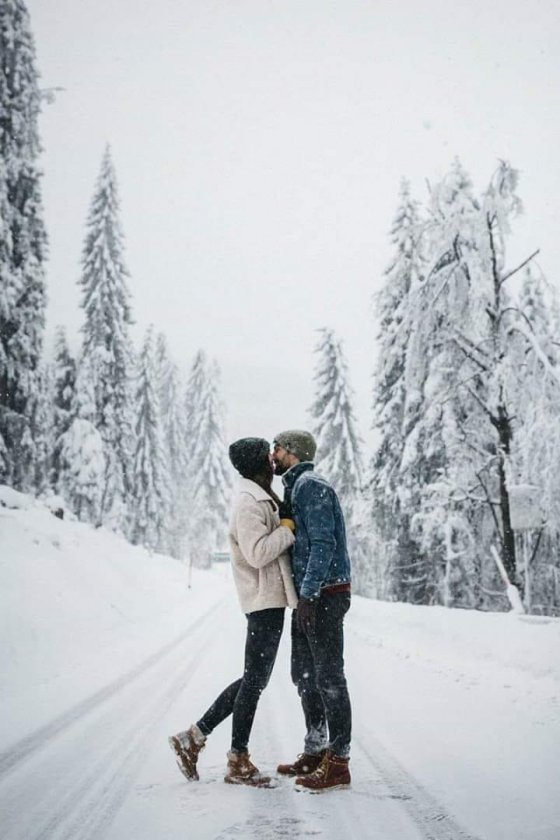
249, 455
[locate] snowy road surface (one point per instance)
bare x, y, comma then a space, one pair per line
443, 750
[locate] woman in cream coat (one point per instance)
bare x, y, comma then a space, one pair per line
260, 543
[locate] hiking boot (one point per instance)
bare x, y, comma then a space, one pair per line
304, 764
331, 774
241, 771
187, 746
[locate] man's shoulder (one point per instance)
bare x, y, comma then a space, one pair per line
312, 481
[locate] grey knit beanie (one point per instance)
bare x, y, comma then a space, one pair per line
299, 443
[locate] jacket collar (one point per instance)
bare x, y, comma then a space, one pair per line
254, 490
291, 476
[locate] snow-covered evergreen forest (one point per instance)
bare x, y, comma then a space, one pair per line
459, 500
117, 433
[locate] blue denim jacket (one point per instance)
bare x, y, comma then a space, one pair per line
320, 555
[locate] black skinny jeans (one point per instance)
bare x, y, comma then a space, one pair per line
318, 673
264, 629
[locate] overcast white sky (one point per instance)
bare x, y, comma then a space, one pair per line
259, 146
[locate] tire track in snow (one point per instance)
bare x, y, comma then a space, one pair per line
93, 803
37, 740
423, 809
432, 819
76, 798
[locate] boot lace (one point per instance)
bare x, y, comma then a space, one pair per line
322, 769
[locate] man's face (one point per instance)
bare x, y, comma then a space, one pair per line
282, 459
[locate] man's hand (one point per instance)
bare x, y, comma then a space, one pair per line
305, 615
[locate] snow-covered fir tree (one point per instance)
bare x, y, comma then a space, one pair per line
42, 423
194, 393
22, 247
443, 423
397, 382
80, 454
209, 484
538, 304
63, 384
150, 488
534, 470
339, 455
466, 369
339, 447
173, 418
107, 351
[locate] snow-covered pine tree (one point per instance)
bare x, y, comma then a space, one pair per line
173, 419
23, 246
63, 384
398, 380
339, 447
339, 455
150, 495
443, 423
477, 342
534, 470
107, 350
163, 366
81, 456
209, 471
42, 424
475, 405
538, 304
194, 393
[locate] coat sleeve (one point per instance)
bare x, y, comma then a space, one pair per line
258, 545
315, 505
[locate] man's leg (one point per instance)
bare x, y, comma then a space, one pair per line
326, 643
304, 678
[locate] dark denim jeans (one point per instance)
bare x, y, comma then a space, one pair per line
264, 629
318, 673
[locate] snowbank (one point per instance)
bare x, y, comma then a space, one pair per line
527, 644
78, 607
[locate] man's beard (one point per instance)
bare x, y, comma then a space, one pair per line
279, 469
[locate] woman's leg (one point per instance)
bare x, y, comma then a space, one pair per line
264, 629
220, 709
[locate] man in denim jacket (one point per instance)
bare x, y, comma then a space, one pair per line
321, 569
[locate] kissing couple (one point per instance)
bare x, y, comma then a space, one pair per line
291, 553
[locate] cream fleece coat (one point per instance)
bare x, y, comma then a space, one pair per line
259, 551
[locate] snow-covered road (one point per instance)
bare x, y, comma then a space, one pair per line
107, 650
104, 769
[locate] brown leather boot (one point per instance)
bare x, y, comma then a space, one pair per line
187, 746
331, 774
304, 764
241, 771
